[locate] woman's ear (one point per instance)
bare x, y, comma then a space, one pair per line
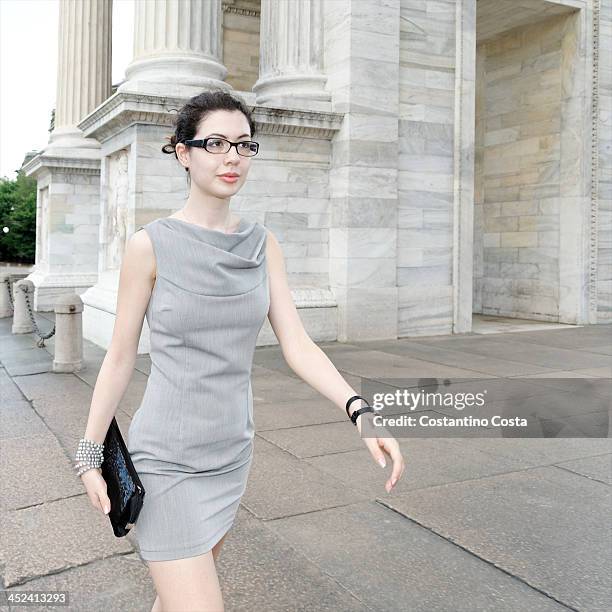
182, 155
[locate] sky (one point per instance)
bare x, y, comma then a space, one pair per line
28, 72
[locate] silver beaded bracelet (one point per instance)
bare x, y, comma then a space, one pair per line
89, 455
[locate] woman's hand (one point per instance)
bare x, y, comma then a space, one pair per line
389, 445
96, 489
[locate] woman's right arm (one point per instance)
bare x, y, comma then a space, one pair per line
136, 280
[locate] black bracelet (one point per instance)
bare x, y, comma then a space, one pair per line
356, 413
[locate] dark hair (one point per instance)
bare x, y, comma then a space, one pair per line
197, 108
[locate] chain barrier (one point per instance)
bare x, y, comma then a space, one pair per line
7, 282
41, 337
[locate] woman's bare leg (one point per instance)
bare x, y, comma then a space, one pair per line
216, 551
187, 585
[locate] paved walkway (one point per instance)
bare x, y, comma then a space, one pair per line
475, 524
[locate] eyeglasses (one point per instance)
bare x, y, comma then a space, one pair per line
246, 148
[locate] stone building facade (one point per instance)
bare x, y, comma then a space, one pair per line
420, 160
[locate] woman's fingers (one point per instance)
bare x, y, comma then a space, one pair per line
391, 447
104, 502
379, 456
96, 489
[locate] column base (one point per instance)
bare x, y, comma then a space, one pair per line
71, 139
176, 75
300, 91
48, 286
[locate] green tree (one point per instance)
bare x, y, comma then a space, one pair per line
18, 219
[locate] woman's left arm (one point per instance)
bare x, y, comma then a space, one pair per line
311, 364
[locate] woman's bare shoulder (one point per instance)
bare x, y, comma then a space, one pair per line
139, 250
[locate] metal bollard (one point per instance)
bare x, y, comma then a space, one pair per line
22, 324
6, 296
68, 333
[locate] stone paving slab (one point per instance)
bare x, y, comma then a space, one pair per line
591, 425
119, 582
303, 475
273, 387
342, 436
55, 536
319, 439
280, 485
393, 564
270, 386
52, 387
597, 468
604, 372
280, 415
545, 402
428, 462
18, 419
8, 389
553, 374
379, 364
575, 381
539, 452
536, 354
12, 343
549, 527
63, 402
260, 570
271, 358
494, 366
503, 389
35, 470
28, 361
579, 339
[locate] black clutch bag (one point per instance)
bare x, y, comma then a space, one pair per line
123, 485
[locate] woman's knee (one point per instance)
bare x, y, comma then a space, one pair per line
188, 585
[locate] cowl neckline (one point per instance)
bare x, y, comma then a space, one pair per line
241, 229
211, 262
245, 243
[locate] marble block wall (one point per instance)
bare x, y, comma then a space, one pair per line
518, 132
241, 42
425, 167
604, 150
287, 191
362, 69
67, 225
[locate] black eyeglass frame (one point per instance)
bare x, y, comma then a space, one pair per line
202, 144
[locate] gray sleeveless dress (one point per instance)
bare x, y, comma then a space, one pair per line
191, 438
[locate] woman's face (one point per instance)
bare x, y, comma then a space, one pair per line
206, 168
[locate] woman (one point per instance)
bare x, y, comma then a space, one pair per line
206, 281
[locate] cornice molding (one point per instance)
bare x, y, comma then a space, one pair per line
124, 109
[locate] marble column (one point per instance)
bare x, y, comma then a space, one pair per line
291, 56
67, 170
84, 68
177, 48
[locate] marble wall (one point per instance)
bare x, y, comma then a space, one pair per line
241, 42
426, 167
517, 198
604, 152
